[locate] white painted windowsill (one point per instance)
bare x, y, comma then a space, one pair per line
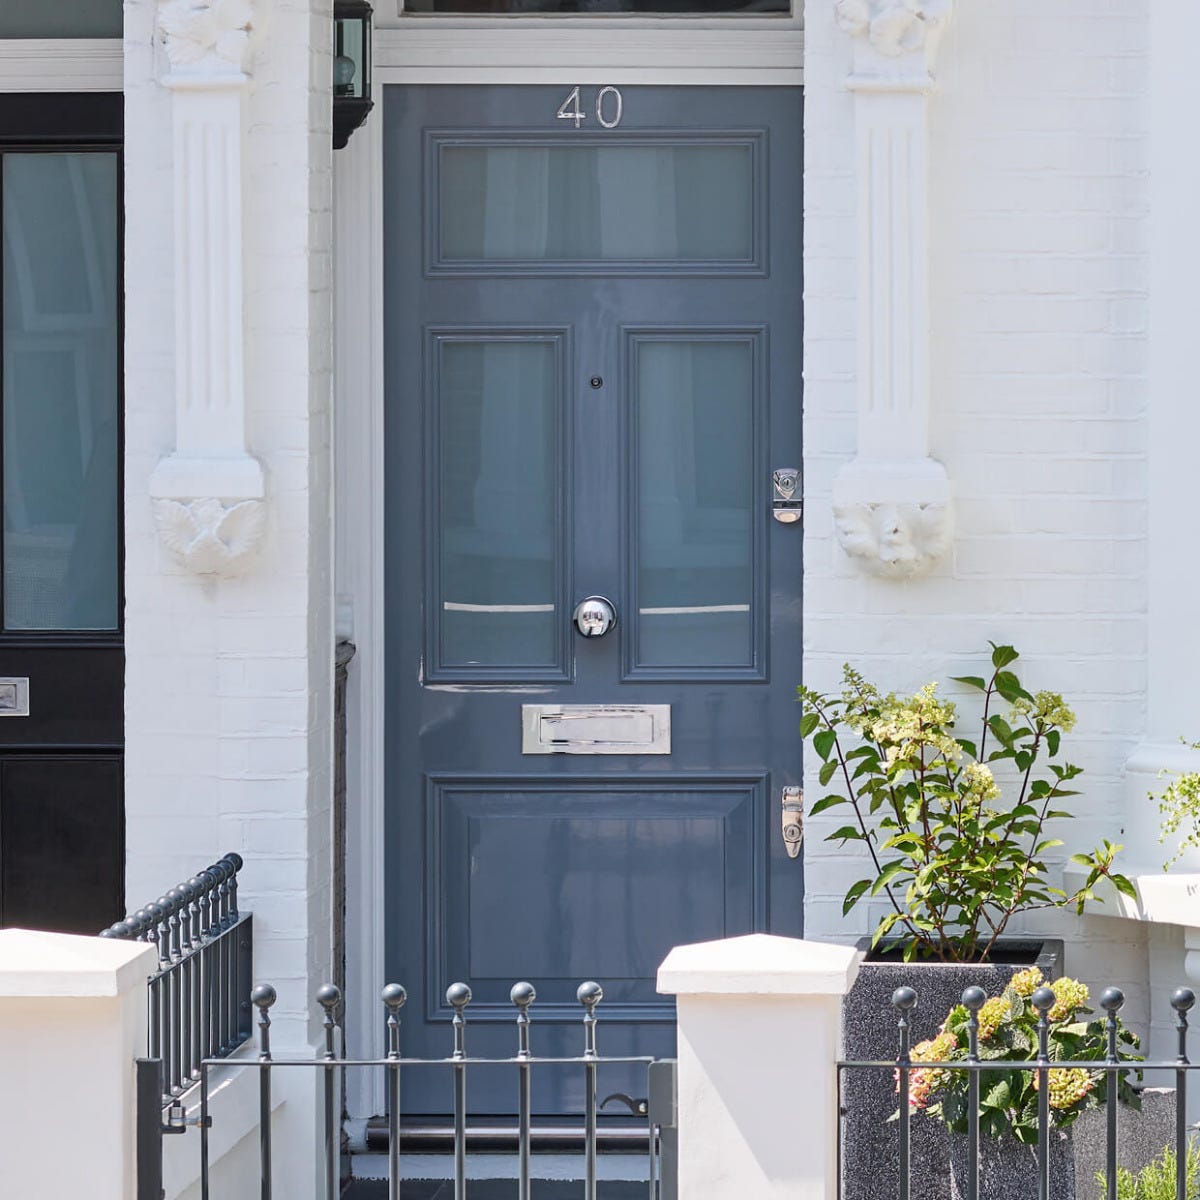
1168, 898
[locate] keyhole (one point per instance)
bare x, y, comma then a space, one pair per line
596, 381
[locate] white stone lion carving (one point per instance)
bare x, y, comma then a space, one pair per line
198, 30
893, 539
893, 27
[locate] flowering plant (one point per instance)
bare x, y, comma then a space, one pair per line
1008, 1098
954, 865
1179, 805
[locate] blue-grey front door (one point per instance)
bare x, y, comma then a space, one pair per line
593, 330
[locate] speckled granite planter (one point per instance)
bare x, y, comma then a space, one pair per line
869, 1034
1008, 1169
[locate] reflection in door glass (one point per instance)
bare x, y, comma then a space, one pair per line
683, 202
60, 391
695, 419
499, 432
597, 7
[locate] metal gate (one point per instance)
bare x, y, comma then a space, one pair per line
658, 1107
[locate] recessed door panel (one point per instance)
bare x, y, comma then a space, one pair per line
593, 367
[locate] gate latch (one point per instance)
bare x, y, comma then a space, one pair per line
793, 820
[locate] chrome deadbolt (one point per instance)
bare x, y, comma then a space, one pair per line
595, 616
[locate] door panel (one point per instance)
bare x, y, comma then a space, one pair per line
592, 369
61, 807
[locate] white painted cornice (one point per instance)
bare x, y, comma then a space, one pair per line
893, 503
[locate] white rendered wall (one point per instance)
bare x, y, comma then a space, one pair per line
229, 682
1038, 195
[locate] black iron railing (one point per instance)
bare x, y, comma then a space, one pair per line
200, 994
1114, 1068
659, 1110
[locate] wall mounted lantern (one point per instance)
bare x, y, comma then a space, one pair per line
351, 68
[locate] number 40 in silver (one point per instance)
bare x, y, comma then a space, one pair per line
609, 107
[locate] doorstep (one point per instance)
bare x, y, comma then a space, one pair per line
616, 1172
503, 1189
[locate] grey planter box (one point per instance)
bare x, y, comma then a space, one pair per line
938, 1159
869, 1142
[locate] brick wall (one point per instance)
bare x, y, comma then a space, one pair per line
1039, 277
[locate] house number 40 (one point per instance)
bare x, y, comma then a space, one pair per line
609, 107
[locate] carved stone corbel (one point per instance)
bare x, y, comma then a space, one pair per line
208, 494
893, 503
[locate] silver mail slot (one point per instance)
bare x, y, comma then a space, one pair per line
14, 697
595, 729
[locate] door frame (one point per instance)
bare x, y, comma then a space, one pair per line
729, 51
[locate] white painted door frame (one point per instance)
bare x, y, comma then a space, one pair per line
713, 52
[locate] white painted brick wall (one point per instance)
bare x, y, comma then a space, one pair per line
229, 684
1039, 278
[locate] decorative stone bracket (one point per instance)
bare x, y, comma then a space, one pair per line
208, 494
893, 503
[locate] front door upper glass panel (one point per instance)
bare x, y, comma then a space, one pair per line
534, 204
60, 391
499, 404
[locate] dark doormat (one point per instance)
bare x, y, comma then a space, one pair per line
498, 1189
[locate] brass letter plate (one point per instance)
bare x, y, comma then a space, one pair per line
595, 729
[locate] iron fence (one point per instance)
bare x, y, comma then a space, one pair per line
1113, 1068
659, 1111
199, 996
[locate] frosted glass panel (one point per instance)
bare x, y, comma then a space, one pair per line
609, 203
60, 391
695, 587
499, 417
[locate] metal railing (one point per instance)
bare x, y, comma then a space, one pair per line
661, 1165
1113, 1067
199, 996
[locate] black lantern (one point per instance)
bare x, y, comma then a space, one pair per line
351, 68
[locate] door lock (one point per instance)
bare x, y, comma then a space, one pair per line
793, 820
595, 616
785, 507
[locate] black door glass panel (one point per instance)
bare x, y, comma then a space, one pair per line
60, 19
519, 8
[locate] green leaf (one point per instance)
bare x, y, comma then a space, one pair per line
1124, 886
852, 896
847, 833
974, 681
824, 741
1002, 655
1009, 686
808, 723
890, 871
827, 771
826, 802
1000, 727
1053, 737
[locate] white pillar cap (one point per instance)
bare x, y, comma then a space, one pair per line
759, 964
36, 964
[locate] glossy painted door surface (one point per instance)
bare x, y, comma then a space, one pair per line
593, 365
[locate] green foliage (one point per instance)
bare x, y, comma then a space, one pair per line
1179, 806
954, 865
1156, 1180
1008, 1034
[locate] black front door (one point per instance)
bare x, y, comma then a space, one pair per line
593, 318
61, 647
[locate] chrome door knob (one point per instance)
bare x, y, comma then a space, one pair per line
595, 616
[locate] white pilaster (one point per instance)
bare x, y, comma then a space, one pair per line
892, 502
208, 494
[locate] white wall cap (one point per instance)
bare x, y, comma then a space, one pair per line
33, 963
759, 964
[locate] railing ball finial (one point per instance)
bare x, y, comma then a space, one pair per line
329, 996
589, 995
393, 997
522, 995
263, 997
1182, 1000
1111, 1000
904, 998
235, 860
458, 996
974, 998
1043, 1000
